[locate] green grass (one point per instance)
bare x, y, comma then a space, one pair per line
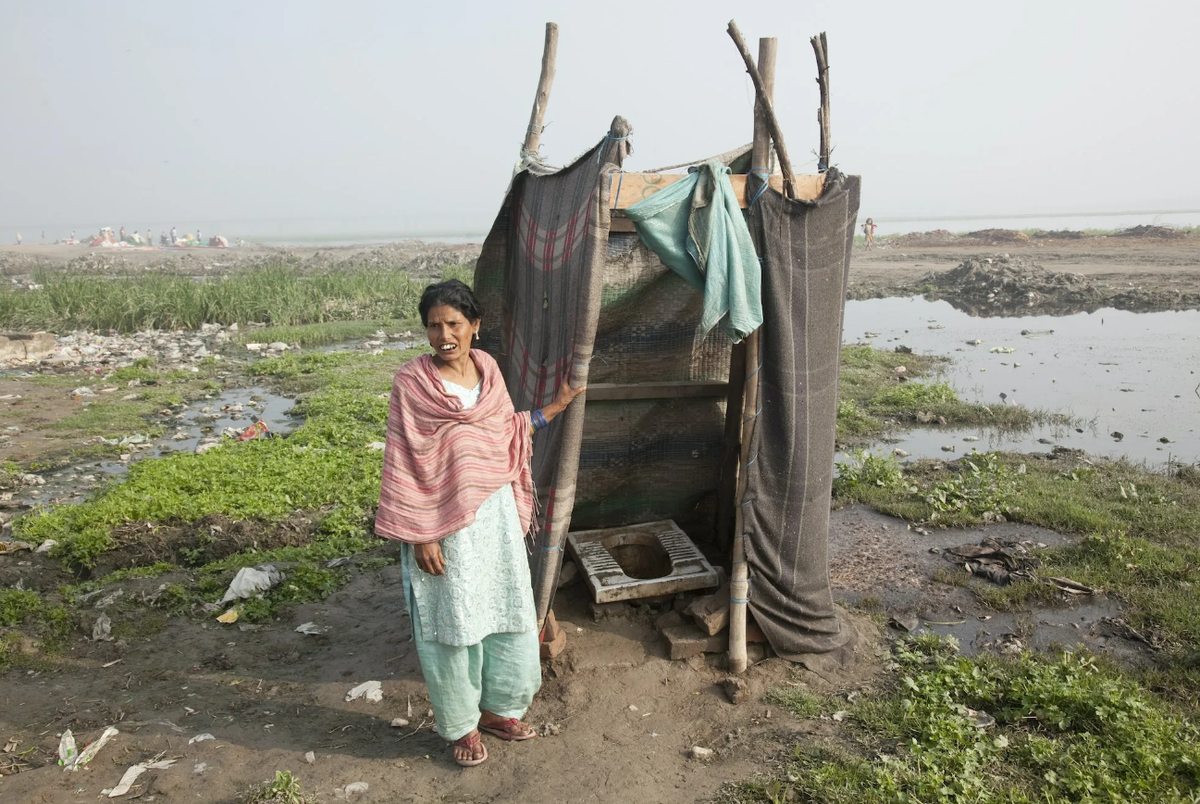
325, 465
26, 615
270, 295
308, 335
283, 789
1069, 728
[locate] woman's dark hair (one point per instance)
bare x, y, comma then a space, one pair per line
451, 293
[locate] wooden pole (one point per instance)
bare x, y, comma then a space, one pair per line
533, 135
739, 576
763, 99
821, 50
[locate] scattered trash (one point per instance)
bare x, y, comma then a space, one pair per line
251, 581
14, 547
378, 445
254, 431
311, 629
971, 438
975, 342
352, 789
949, 448
228, 617
907, 623
899, 453
840, 715
310, 757
134, 772
1002, 350
66, 748
199, 738
46, 546
337, 562
102, 629
701, 753
200, 767
88, 753
371, 690
982, 719
83, 391
398, 723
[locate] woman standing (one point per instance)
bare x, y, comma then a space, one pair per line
457, 490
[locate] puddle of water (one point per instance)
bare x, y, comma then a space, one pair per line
1118, 371
73, 484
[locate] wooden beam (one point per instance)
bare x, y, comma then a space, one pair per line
626, 189
611, 392
764, 107
533, 134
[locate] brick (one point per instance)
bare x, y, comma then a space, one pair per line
601, 611
686, 641
711, 612
551, 650
672, 619
550, 629
754, 634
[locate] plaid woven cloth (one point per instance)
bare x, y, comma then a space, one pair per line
538, 278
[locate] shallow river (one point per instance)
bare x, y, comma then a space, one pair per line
1130, 373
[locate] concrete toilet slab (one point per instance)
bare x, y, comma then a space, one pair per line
635, 561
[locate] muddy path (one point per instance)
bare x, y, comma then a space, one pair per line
268, 694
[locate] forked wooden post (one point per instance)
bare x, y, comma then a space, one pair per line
821, 50
739, 576
533, 135
763, 100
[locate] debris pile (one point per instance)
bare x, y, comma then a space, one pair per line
81, 348
1151, 231
1003, 285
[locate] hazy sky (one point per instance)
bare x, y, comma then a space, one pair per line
412, 114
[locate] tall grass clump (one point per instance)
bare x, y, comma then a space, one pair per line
271, 295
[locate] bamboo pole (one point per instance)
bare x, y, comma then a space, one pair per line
821, 50
533, 134
763, 99
739, 576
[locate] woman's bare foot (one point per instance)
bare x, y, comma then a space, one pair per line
506, 728
469, 750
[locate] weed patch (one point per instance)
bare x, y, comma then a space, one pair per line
1068, 729
28, 621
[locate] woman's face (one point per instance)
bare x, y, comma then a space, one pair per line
449, 332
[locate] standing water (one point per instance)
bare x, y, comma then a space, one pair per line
1130, 377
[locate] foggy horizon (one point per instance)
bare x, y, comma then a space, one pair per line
292, 114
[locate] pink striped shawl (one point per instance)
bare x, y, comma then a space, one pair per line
441, 462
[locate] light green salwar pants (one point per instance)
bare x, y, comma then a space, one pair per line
500, 674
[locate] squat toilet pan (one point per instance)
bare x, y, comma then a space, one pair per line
636, 561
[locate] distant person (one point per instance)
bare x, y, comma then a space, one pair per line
18, 238
172, 235
198, 240
72, 234
43, 237
122, 234
869, 232
149, 238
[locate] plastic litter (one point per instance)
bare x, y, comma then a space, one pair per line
371, 690
254, 431
399, 723
228, 617
46, 546
1002, 350
700, 752
352, 789
102, 630
200, 767
66, 748
251, 581
378, 445
134, 772
88, 753
199, 738
311, 629
310, 757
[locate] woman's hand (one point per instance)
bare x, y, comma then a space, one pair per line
429, 558
566, 394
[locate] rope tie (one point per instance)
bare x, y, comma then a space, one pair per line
607, 139
765, 175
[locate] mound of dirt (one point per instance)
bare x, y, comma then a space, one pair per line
214, 537
1151, 231
994, 236
938, 237
1063, 234
1000, 285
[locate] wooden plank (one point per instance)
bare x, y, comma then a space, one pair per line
626, 189
609, 392
731, 444
620, 223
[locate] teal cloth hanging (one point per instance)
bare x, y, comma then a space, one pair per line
697, 229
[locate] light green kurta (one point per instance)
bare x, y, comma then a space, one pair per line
486, 589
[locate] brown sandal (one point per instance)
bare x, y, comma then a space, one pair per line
469, 742
506, 730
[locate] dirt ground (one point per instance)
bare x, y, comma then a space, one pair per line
618, 716
1148, 262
